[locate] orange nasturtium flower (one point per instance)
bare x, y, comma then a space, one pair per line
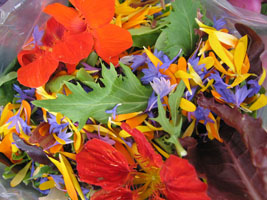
94, 18
70, 36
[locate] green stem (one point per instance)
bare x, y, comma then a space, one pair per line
179, 148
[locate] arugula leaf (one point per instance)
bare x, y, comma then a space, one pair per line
173, 130
174, 102
182, 25
79, 105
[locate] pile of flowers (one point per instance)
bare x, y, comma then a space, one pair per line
137, 100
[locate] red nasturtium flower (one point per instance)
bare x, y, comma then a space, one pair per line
101, 164
70, 36
38, 64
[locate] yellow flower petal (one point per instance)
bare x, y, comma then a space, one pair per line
240, 53
223, 37
188, 132
20, 175
195, 75
263, 76
208, 61
67, 179
47, 185
161, 151
220, 51
259, 103
72, 176
239, 79
187, 105
156, 62
59, 140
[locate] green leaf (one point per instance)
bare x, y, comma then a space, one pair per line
173, 130
92, 59
56, 84
146, 36
7, 92
174, 102
264, 8
43, 170
181, 31
83, 76
161, 41
79, 105
10, 76
163, 120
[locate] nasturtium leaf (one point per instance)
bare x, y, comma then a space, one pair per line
79, 105
182, 25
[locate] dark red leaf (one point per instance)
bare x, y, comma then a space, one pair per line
235, 169
36, 153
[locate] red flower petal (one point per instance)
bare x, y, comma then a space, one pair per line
181, 181
111, 40
67, 16
38, 72
101, 164
118, 194
97, 14
73, 47
144, 147
54, 31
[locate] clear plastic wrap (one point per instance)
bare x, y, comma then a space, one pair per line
17, 20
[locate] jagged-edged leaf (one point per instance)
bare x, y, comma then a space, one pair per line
79, 105
181, 30
83, 76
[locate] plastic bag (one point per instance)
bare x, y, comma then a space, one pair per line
17, 20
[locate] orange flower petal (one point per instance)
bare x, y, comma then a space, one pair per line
38, 72
66, 16
73, 47
111, 40
97, 14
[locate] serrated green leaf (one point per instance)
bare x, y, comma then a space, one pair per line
174, 131
10, 76
174, 102
79, 105
56, 84
83, 76
181, 31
